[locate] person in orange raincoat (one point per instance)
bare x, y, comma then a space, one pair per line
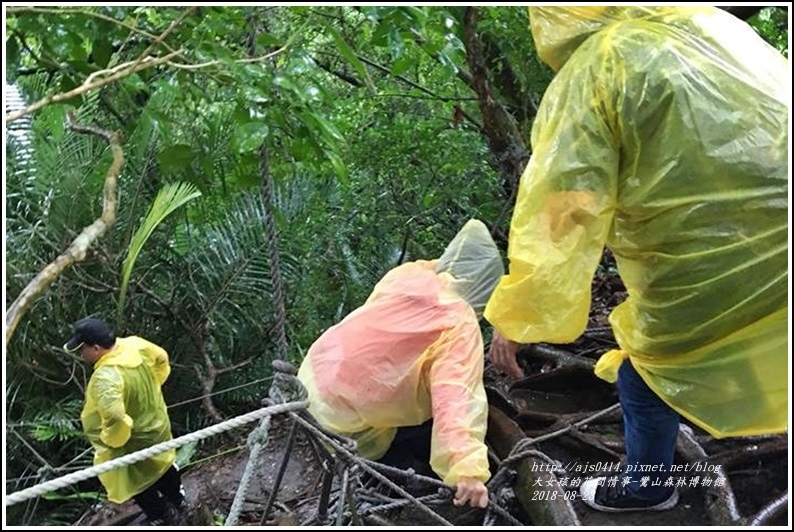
412, 352
663, 136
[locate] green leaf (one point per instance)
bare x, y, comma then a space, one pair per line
403, 64
352, 58
134, 83
101, 51
322, 128
249, 137
339, 167
428, 199
175, 157
82, 495
170, 198
53, 119
265, 41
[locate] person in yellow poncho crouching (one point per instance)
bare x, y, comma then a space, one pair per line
414, 351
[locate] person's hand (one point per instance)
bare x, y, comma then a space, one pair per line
503, 355
471, 491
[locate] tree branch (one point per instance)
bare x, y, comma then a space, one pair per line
116, 74
120, 71
417, 86
68, 11
344, 76
76, 252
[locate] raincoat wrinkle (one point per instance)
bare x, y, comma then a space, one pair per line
664, 136
412, 352
125, 412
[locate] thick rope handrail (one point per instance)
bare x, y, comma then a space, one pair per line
257, 440
285, 387
78, 476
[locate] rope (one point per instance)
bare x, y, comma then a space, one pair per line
256, 440
285, 387
78, 476
350, 456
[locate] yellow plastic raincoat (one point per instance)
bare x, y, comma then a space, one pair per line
125, 412
664, 135
413, 351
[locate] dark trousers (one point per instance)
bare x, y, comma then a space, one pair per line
411, 449
650, 430
167, 489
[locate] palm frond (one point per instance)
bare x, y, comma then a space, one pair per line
170, 198
230, 273
59, 423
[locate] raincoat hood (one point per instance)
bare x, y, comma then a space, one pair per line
473, 260
559, 31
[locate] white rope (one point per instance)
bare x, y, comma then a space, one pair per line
79, 476
258, 439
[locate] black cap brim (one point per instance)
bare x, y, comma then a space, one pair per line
73, 345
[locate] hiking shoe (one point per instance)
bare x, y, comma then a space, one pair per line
618, 498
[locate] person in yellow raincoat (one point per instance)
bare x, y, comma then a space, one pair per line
412, 352
124, 412
664, 136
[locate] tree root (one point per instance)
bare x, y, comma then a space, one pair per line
720, 502
536, 488
769, 513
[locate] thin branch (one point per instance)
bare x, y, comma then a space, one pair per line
78, 249
38, 372
16, 33
416, 86
239, 61
344, 76
158, 40
31, 449
235, 366
86, 87
68, 11
120, 71
428, 97
461, 74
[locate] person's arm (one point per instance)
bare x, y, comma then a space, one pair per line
566, 202
107, 389
460, 413
157, 358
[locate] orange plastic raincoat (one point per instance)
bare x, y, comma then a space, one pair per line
413, 351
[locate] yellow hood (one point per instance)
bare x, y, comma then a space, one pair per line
559, 31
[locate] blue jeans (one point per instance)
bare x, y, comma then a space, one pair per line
650, 429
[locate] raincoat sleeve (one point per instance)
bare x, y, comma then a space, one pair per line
564, 209
106, 390
157, 359
460, 407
